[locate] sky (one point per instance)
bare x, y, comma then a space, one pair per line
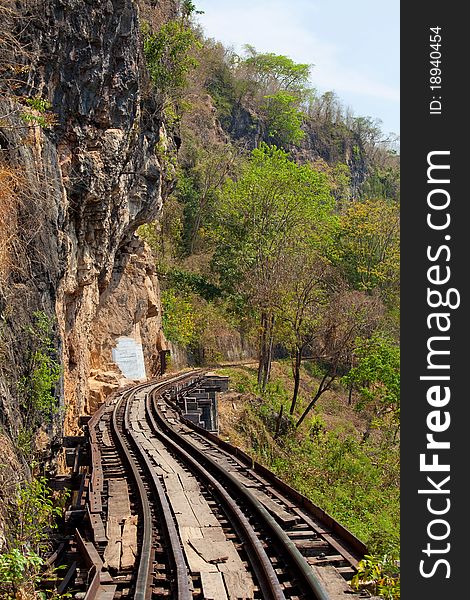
354, 46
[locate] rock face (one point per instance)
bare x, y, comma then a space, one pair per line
130, 307
323, 140
96, 178
10, 475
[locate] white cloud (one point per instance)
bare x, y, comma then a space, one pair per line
297, 32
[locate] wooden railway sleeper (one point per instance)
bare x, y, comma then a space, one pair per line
264, 570
298, 560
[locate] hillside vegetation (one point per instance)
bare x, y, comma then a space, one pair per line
272, 216
280, 241
327, 458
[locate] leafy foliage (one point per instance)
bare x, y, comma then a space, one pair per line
272, 88
379, 575
39, 112
368, 245
32, 513
168, 55
283, 118
270, 206
382, 182
276, 70
339, 179
188, 8
205, 167
18, 569
308, 283
188, 282
37, 387
377, 376
266, 214
36, 512
178, 318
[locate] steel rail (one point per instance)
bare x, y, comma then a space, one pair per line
201, 464
144, 572
353, 551
145, 560
358, 548
179, 563
264, 570
297, 560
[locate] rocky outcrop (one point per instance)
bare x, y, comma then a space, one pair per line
130, 307
324, 140
95, 178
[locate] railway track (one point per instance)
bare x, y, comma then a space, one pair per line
174, 512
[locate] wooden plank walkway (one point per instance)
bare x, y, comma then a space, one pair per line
337, 587
119, 505
121, 528
129, 542
112, 553
206, 548
213, 587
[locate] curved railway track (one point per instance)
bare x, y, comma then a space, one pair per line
177, 513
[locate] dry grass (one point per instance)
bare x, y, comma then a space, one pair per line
21, 221
333, 407
155, 13
10, 185
14, 56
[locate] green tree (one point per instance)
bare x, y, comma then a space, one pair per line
368, 246
283, 118
376, 376
178, 319
277, 72
213, 164
188, 9
169, 58
274, 203
348, 315
307, 284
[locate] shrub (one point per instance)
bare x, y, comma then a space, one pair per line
17, 569
38, 112
379, 575
35, 513
178, 320
168, 56
31, 514
37, 386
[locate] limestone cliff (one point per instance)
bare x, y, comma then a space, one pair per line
84, 186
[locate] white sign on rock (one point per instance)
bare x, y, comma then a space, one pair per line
129, 357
